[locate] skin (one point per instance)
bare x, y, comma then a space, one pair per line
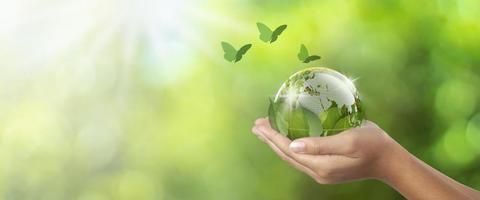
365, 152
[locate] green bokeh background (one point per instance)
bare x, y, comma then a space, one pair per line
132, 99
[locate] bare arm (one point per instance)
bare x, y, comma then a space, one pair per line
414, 179
363, 153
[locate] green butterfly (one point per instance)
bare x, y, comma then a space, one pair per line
232, 55
267, 35
304, 57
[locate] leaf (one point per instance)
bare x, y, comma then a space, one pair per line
342, 124
303, 54
265, 32
272, 112
361, 110
242, 52
298, 124
359, 115
229, 51
282, 117
275, 117
331, 116
277, 32
314, 123
311, 58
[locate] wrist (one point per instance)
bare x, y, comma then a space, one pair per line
391, 162
414, 179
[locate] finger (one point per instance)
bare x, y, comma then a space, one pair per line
367, 123
262, 121
291, 161
334, 168
340, 144
282, 143
280, 153
258, 134
256, 131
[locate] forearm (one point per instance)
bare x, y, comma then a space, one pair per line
416, 180
472, 193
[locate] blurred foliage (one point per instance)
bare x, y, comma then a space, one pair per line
133, 100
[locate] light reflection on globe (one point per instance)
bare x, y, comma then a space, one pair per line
315, 102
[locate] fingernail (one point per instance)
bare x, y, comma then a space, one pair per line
297, 146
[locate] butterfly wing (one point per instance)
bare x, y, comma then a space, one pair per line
311, 58
303, 54
277, 32
242, 52
229, 51
265, 32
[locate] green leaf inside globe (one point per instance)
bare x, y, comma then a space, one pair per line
315, 102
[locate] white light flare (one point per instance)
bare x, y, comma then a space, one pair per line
48, 32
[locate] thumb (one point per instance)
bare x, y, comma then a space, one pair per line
339, 144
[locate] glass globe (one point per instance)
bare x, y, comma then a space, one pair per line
315, 102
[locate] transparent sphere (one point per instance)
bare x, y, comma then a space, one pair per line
315, 102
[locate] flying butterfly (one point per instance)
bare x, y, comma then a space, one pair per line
231, 54
304, 56
267, 35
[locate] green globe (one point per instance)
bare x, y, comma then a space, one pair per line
315, 102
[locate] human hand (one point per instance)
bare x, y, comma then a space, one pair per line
357, 153
361, 153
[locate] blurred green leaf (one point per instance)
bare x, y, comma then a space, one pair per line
330, 116
314, 123
298, 124
272, 112
342, 123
